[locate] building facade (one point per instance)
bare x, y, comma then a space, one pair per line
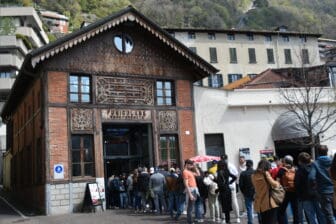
113, 96
244, 121
240, 53
23, 33
56, 22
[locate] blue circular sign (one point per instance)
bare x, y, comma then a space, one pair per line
58, 169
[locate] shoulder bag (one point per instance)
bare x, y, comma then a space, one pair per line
277, 193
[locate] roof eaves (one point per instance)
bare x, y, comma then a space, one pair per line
128, 14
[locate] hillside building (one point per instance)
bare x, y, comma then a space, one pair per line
25, 33
106, 99
56, 22
240, 53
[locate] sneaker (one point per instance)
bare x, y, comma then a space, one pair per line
199, 220
238, 220
218, 220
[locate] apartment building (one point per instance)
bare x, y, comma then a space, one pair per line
57, 23
20, 31
240, 53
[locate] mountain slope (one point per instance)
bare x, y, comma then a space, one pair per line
314, 16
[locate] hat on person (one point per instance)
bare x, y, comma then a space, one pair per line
151, 170
172, 169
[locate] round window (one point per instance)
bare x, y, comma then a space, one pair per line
123, 43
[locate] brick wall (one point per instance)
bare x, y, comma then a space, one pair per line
58, 139
57, 87
187, 140
183, 93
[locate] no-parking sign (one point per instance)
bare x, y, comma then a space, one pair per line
58, 171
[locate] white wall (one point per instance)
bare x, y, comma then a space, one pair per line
244, 117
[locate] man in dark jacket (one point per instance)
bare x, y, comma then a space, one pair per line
320, 175
247, 188
306, 192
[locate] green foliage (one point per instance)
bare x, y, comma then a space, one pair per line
315, 16
7, 26
25, 40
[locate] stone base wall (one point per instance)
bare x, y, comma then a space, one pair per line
65, 198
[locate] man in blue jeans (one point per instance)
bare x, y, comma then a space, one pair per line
320, 175
247, 188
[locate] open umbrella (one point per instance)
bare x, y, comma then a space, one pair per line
204, 158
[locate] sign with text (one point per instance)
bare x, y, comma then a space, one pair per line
126, 114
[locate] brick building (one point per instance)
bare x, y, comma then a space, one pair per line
105, 99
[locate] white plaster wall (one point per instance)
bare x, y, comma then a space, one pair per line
244, 117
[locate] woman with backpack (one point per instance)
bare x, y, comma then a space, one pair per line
286, 176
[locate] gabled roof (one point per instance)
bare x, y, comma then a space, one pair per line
69, 41
128, 14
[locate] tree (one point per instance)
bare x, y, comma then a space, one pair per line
312, 102
7, 26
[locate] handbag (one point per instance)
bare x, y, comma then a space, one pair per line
276, 193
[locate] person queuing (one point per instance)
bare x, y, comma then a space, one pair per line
320, 175
263, 203
192, 192
306, 192
225, 196
247, 189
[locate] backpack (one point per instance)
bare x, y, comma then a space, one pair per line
287, 179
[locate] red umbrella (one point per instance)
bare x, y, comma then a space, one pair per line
204, 158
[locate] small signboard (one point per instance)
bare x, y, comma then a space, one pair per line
245, 152
267, 154
92, 197
58, 171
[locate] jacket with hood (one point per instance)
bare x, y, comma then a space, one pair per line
320, 175
305, 189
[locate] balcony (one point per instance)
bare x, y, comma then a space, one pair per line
13, 42
31, 34
10, 60
6, 84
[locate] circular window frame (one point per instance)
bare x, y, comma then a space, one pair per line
123, 48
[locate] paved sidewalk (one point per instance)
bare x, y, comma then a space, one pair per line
110, 216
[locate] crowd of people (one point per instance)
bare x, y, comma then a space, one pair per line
228, 191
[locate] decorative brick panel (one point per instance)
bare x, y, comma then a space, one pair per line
81, 119
57, 87
187, 135
58, 139
168, 120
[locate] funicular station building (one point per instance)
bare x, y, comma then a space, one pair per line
106, 99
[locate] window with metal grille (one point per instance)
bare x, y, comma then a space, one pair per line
270, 56
165, 93
215, 80
82, 156
213, 55
234, 77
233, 55
80, 88
252, 56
